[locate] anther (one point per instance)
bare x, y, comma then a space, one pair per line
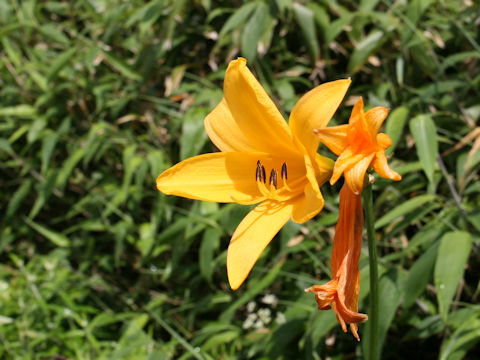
273, 178
264, 175
258, 172
284, 171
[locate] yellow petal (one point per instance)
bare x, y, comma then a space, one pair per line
224, 131
251, 237
256, 116
314, 110
375, 118
323, 168
344, 162
308, 205
225, 177
384, 141
355, 176
335, 138
381, 167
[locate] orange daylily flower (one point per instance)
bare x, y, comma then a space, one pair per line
342, 291
263, 160
359, 146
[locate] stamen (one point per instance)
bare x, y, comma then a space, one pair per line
284, 171
258, 172
273, 178
264, 175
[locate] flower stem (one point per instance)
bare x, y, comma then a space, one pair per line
372, 256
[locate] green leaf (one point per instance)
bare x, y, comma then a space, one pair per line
321, 16
456, 346
210, 243
36, 129
395, 125
238, 18
121, 66
389, 300
403, 209
425, 135
68, 167
193, 132
336, 27
48, 145
305, 19
452, 257
17, 198
44, 190
253, 30
416, 8
55, 237
22, 111
364, 49
419, 275
60, 62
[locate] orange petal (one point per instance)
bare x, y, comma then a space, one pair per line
251, 237
355, 176
256, 116
314, 110
381, 167
384, 141
335, 138
359, 133
375, 118
344, 162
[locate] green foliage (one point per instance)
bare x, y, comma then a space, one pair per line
99, 97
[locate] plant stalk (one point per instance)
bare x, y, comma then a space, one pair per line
372, 257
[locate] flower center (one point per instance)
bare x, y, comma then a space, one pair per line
275, 185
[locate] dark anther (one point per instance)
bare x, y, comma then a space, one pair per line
273, 178
284, 171
264, 175
258, 172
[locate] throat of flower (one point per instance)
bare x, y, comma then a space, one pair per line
275, 186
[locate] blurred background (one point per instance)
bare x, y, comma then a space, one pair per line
98, 97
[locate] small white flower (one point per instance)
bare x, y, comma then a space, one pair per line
265, 315
270, 299
280, 319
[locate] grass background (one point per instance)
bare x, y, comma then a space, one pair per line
97, 97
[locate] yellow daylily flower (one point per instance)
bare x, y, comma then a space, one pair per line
359, 146
263, 160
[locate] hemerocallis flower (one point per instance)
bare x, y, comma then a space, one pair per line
342, 291
263, 160
359, 146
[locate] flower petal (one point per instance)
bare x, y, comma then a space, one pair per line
355, 176
384, 141
256, 116
314, 110
381, 167
223, 177
224, 131
308, 205
335, 138
323, 168
345, 161
251, 237
375, 118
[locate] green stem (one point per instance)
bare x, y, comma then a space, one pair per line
372, 256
